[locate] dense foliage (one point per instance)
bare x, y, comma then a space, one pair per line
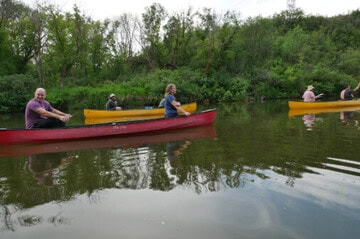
210, 57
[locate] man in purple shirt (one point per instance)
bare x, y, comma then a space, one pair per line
40, 114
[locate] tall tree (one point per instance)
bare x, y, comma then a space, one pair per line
177, 35
39, 20
23, 37
100, 40
151, 35
11, 10
290, 18
226, 43
15, 18
127, 34
79, 30
62, 52
206, 40
7, 60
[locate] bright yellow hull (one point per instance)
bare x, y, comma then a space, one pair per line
89, 113
120, 119
322, 105
294, 112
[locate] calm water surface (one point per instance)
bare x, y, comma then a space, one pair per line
257, 173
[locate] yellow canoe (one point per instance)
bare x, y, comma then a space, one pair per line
323, 104
294, 112
90, 113
120, 119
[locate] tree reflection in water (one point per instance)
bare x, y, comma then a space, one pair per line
262, 149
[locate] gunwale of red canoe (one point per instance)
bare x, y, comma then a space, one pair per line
21, 136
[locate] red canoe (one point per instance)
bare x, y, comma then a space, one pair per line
23, 136
16, 150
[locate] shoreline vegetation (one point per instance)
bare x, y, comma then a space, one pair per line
210, 57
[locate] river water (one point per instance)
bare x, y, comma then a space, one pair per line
258, 172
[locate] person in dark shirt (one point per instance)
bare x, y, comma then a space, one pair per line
348, 93
112, 103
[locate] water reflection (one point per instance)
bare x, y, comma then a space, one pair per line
335, 181
262, 175
309, 120
346, 116
309, 116
348, 119
342, 166
22, 219
175, 148
46, 168
138, 162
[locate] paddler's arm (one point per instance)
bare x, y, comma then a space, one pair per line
357, 87
57, 114
179, 108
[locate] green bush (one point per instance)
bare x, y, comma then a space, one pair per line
16, 91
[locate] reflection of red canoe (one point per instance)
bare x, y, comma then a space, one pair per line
22, 136
113, 142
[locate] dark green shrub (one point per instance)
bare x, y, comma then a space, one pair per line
16, 91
